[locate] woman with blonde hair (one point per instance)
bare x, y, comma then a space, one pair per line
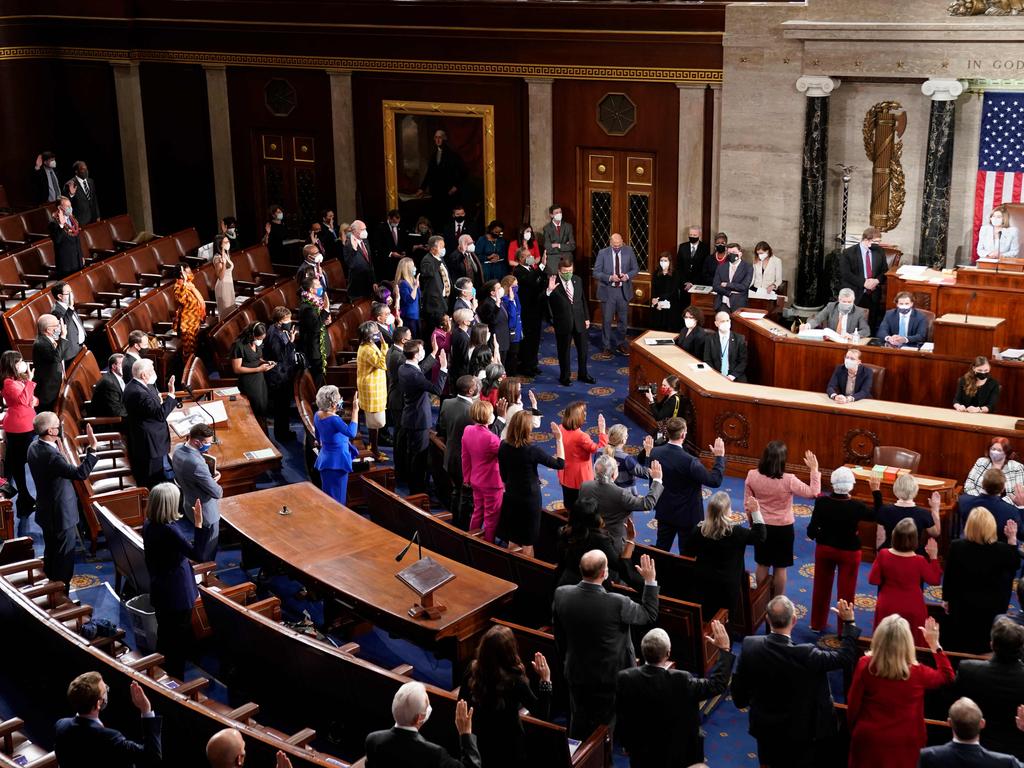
372, 383
408, 295
978, 580
630, 467
719, 546
886, 699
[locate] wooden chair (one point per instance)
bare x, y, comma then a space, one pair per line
877, 379
18, 750
894, 456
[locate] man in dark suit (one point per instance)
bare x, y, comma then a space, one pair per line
690, 260
615, 269
45, 187
390, 245
64, 310
850, 381
862, 269
993, 486
226, 749
715, 258
681, 506
494, 315
658, 721
50, 351
531, 298
416, 389
965, 751
444, 179
149, 441
786, 687
462, 262
81, 191
403, 747
452, 421
726, 350
997, 685
559, 241
108, 392
137, 341
903, 325
67, 248
616, 504
358, 264
83, 741
56, 501
732, 280
455, 229
570, 316
312, 259
435, 287
592, 633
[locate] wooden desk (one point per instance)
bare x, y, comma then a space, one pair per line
966, 335
748, 416
354, 559
706, 303
995, 294
238, 435
780, 358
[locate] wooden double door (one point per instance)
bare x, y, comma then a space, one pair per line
617, 196
286, 176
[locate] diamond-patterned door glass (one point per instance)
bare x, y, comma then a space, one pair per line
600, 219
274, 184
640, 227
305, 193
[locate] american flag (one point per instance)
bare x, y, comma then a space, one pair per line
1000, 157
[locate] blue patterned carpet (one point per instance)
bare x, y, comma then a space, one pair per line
727, 744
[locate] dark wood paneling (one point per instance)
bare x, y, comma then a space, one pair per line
510, 140
27, 124
178, 148
250, 116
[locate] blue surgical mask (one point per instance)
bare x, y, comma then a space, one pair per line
204, 447
320, 291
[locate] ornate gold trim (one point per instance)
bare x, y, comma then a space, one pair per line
483, 111
406, 66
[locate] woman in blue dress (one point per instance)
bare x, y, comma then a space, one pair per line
334, 461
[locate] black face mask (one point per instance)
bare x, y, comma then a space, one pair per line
733, 258
459, 219
694, 240
720, 248
981, 376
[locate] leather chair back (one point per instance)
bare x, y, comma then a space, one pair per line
894, 456
877, 379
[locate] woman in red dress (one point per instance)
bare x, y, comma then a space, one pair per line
886, 700
898, 572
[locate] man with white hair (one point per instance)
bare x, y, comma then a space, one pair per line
51, 351
843, 316
358, 263
615, 504
592, 633
402, 746
462, 261
658, 721
149, 441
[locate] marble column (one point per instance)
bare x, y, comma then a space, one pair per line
810, 285
220, 139
540, 108
133, 144
344, 145
716, 154
690, 186
938, 171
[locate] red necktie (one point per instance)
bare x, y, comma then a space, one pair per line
362, 247
867, 263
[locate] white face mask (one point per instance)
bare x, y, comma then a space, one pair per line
664, 265
724, 327
762, 256
318, 258
498, 294
51, 164
995, 455
279, 217
259, 343
441, 253
412, 271
421, 356
364, 234
471, 248
527, 236
232, 232
852, 365
689, 322
21, 366
557, 218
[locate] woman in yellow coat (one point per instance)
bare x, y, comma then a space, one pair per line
372, 382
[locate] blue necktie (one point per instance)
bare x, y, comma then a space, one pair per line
904, 319
725, 357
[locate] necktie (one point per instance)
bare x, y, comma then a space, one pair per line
618, 264
458, 230
867, 263
558, 229
438, 156
841, 325
903, 325
568, 289
725, 354
394, 234
362, 247
85, 188
447, 286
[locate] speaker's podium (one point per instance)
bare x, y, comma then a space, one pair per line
965, 335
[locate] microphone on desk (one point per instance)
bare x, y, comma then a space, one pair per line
414, 540
213, 422
974, 295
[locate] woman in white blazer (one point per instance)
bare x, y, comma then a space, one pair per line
767, 269
996, 239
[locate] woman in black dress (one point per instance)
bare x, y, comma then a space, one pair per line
977, 391
585, 531
692, 337
718, 546
519, 523
495, 685
665, 291
667, 403
249, 366
977, 581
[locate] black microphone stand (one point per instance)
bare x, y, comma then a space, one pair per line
213, 423
414, 540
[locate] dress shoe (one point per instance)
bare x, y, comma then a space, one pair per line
587, 379
565, 382
622, 349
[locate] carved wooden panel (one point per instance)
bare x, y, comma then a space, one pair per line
733, 427
273, 146
859, 446
602, 168
303, 149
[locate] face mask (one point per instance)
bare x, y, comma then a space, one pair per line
733, 258
441, 253
845, 308
905, 310
285, 325
21, 366
204, 447
997, 221
364, 234
82, 175
567, 276
459, 219
376, 338
725, 327
720, 248
67, 212
421, 356
996, 456
529, 261
279, 217
426, 715
852, 365
980, 376
320, 290
412, 271
259, 343
318, 258
51, 164
471, 248
424, 230
527, 236
557, 218
690, 322
499, 294
472, 293
762, 256
693, 240
664, 391
496, 235
232, 233
663, 264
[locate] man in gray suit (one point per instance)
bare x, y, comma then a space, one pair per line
197, 482
614, 270
592, 633
615, 504
843, 316
559, 240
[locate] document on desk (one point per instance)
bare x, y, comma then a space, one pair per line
912, 271
262, 453
228, 391
1011, 354
756, 293
752, 315
700, 289
181, 421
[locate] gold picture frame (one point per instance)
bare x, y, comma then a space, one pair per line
485, 112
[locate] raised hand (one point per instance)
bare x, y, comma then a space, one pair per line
648, 445
139, 698
266, 228
811, 461
355, 402
751, 505
646, 569
72, 188
442, 358
600, 423
656, 471
552, 281
501, 407
556, 431
540, 666
39, 162
718, 448
845, 610
533, 400
718, 635
170, 385
1020, 718
932, 549
197, 513
433, 345
875, 481
1010, 530
935, 501
93, 442
930, 630
282, 760
463, 718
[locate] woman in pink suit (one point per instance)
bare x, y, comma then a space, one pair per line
898, 572
480, 468
19, 397
579, 451
886, 699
